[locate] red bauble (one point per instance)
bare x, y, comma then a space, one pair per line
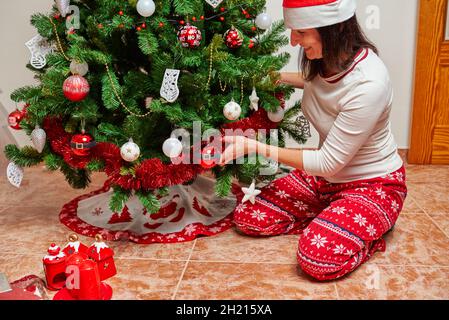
81, 144
209, 157
233, 38
15, 118
75, 88
189, 36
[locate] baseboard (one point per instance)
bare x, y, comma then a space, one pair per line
404, 155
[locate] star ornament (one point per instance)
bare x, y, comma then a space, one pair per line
250, 193
254, 100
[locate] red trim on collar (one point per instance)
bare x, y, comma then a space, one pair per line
363, 52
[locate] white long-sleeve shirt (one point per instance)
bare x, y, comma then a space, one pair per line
351, 113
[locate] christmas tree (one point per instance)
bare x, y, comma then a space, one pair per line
123, 74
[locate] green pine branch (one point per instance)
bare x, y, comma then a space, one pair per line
149, 201
118, 199
77, 178
53, 162
273, 39
224, 181
148, 42
24, 157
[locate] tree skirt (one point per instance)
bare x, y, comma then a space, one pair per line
188, 211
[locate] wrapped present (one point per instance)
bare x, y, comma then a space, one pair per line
54, 267
75, 246
104, 257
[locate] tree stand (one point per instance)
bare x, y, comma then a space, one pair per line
188, 211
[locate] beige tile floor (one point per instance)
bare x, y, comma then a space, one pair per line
231, 266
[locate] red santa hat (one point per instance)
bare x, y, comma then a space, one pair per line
308, 14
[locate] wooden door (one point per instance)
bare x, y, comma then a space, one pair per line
430, 125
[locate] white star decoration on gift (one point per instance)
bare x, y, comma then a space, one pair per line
250, 193
254, 100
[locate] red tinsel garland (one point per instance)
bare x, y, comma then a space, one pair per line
151, 173
257, 120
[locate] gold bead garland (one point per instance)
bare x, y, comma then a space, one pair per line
118, 96
223, 88
210, 65
58, 40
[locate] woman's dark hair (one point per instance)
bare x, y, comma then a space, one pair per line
341, 42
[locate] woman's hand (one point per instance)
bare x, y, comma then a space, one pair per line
236, 147
294, 79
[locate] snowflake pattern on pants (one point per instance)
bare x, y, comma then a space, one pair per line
340, 225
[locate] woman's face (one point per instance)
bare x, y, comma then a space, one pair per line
310, 40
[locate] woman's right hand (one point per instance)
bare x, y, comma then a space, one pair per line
281, 79
294, 79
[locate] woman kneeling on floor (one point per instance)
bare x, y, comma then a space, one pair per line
344, 197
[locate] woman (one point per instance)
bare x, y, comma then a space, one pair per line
345, 196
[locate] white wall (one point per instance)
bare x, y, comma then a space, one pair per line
15, 30
395, 39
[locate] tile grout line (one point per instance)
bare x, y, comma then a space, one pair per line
336, 291
431, 219
236, 262
183, 271
4, 208
407, 265
416, 203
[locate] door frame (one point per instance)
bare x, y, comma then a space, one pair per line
432, 51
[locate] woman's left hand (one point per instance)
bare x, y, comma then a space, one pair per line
236, 147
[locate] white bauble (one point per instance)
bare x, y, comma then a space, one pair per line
146, 8
232, 110
172, 147
276, 116
264, 21
38, 136
80, 68
130, 151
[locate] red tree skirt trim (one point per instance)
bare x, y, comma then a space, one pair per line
68, 216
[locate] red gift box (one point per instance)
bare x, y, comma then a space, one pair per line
77, 270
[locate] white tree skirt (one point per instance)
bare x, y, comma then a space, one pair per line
186, 213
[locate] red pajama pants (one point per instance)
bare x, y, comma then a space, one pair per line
340, 224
